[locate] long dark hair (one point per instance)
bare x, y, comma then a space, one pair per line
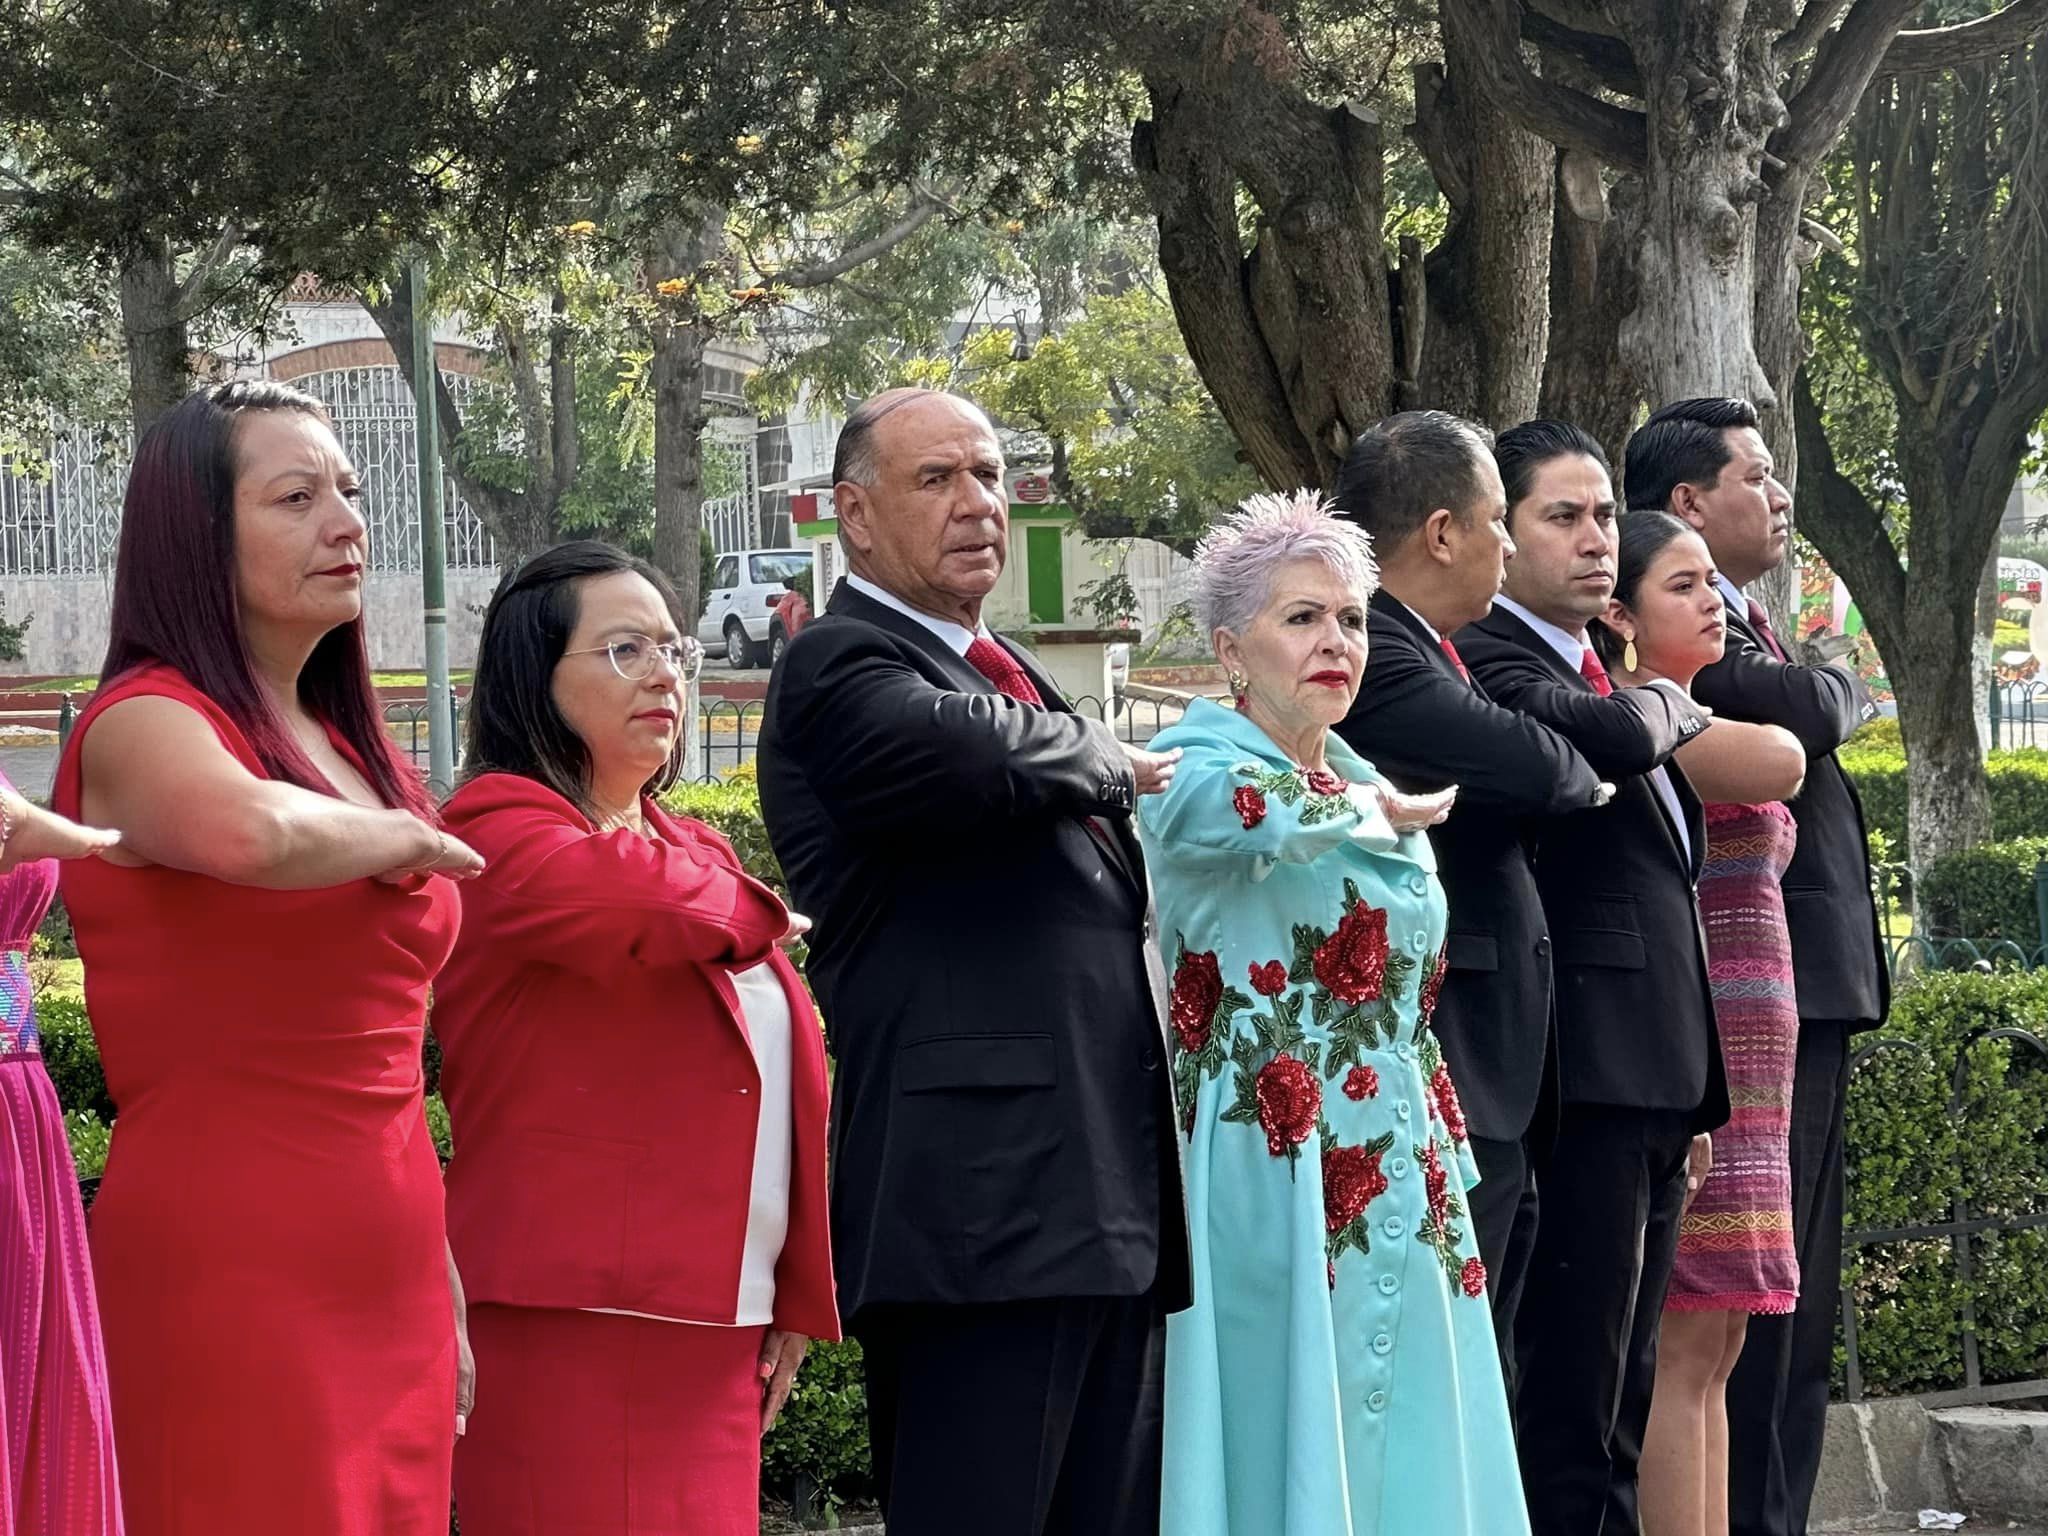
514, 726
1640, 538
175, 603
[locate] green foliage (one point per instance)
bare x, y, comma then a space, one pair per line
2018, 777
1985, 892
14, 638
438, 1127
1909, 1158
822, 1437
90, 1137
71, 1056
54, 936
734, 809
2008, 636
60, 349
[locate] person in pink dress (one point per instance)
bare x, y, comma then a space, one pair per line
56, 1432
1735, 1257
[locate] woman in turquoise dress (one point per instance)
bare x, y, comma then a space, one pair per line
1337, 1374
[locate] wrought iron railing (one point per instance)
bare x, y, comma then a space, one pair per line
1963, 1229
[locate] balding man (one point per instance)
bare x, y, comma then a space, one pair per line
1006, 1191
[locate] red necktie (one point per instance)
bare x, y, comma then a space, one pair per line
1450, 650
1761, 622
1591, 670
1001, 668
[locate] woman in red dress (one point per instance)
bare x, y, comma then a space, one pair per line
268, 1242
636, 1081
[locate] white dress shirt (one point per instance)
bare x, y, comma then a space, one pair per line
958, 636
1573, 649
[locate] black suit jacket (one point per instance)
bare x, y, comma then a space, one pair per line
1423, 725
988, 970
1838, 961
1635, 1015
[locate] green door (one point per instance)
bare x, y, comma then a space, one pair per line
1044, 573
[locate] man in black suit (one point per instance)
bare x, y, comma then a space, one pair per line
1705, 462
1007, 1215
1424, 485
1639, 1058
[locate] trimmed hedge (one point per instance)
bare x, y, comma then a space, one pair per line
2019, 788
1908, 1160
1986, 892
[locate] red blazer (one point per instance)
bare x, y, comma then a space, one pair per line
602, 1092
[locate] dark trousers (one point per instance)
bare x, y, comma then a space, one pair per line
1504, 1214
1612, 1192
1778, 1396
1025, 1418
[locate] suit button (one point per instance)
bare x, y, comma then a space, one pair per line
1389, 1284
1398, 1168
1151, 1060
1377, 1402
1381, 1344
1419, 884
1391, 1226
1419, 942
1401, 1110
1543, 945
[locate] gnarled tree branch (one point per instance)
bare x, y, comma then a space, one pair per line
186, 302
1940, 48
1568, 118
1820, 111
1608, 59
924, 207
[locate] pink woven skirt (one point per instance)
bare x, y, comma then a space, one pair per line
56, 1434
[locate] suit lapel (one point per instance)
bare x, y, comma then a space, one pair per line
1120, 849
1391, 607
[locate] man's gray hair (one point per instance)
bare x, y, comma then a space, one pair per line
1236, 560
854, 459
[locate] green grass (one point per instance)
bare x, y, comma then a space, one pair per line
61, 978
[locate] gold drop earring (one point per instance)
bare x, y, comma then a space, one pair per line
1240, 687
1628, 654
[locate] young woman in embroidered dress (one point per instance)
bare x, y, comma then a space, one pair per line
1735, 1253
1338, 1370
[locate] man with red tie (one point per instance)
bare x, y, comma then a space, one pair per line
1424, 485
1007, 1214
1705, 462
1638, 1052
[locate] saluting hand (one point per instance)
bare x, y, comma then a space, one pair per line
1411, 813
1152, 770
41, 834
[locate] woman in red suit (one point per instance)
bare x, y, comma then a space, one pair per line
268, 1243
636, 1082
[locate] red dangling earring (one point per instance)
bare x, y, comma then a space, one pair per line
1240, 690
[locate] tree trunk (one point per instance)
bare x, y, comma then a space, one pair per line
154, 330
681, 248
1708, 83
521, 523
1591, 288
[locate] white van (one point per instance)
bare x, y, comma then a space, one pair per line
745, 587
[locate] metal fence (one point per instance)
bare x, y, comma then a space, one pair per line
1911, 952
1964, 1228
729, 730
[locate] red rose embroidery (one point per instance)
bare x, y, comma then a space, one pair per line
1197, 989
1433, 986
1352, 1180
1448, 1109
1251, 805
1472, 1278
1289, 1099
1361, 1083
1321, 781
1436, 1182
1352, 962
1270, 979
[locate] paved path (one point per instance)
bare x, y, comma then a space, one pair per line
30, 768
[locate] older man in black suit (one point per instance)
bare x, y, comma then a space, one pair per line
1639, 1055
1705, 462
1425, 486
1006, 1192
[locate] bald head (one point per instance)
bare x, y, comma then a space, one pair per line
918, 489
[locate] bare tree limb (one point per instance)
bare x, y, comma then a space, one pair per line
1610, 60
1839, 518
1568, 118
925, 206
568, 447
1942, 48
185, 303
1807, 32
1818, 114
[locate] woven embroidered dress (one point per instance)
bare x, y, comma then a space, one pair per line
1735, 1250
1337, 1374
56, 1430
